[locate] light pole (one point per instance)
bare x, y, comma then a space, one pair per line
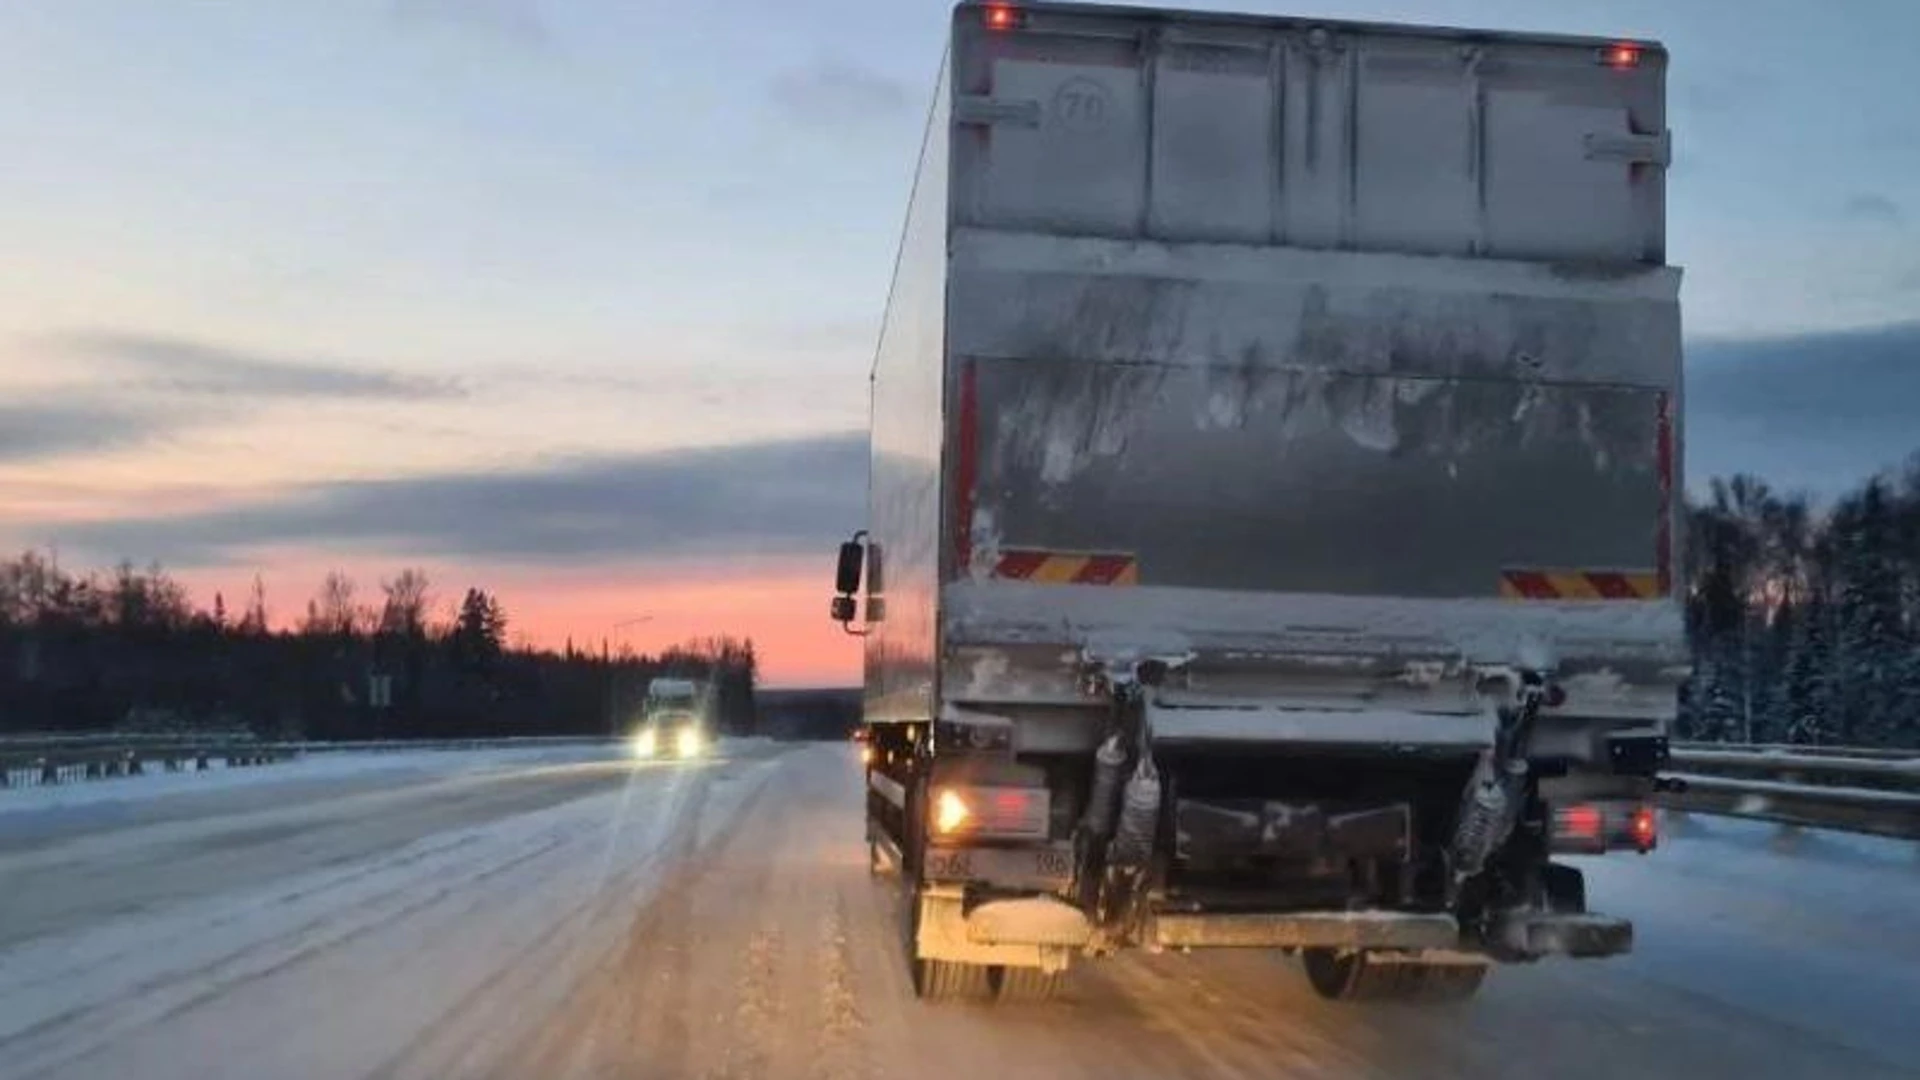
606, 658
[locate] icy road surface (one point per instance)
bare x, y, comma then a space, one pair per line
527, 915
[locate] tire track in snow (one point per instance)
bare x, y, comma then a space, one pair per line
498, 1012
842, 1022
80, 1032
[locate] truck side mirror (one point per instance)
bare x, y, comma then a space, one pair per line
846, 579
843, 609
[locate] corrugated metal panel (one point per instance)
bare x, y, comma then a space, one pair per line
1313, 134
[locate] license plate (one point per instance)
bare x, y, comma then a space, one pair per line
1038, 868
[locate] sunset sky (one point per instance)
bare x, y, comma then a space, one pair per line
574, 300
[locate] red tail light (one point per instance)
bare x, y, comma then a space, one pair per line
1579, 830
1620, 55
1607, 825
1582, 822
1011, 813
1004, 17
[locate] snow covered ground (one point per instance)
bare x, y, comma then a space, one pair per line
544, 917
279, 928
1815, 932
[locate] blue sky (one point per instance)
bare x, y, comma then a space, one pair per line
260, 248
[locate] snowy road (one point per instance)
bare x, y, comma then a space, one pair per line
539, 915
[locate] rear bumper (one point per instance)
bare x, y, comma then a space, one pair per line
1043, 930
1515, 938
1306, 930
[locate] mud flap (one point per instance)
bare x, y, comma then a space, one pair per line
1027, 933
1535, 934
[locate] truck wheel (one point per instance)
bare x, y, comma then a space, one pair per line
1352, 976
940, 980
949, 980
1024, 984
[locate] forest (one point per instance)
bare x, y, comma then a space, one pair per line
1804, 622
127, 650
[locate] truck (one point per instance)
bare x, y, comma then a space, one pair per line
1271, 519
674, 720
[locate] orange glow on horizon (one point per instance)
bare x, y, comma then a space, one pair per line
780, 604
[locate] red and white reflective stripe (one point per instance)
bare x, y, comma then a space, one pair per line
1064, 568
1579, 585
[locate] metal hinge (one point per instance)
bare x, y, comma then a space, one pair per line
988, 111
1633, 149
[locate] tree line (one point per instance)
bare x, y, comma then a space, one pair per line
127, 650
1805, 623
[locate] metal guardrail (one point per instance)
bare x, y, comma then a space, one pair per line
1855, 790
1867, 791
40, 761
1854, 752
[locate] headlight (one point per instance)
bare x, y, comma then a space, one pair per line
643, 744
687, 744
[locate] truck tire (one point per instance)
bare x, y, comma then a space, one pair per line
1352, 976
940, 980
948, 980
1025, 984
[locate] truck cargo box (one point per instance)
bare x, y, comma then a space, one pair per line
1271, 537
1275, 337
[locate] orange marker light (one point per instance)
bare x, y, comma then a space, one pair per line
1646, 828
1622, 54
950, 812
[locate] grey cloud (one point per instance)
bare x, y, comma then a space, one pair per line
1877, 209
189, 367
44, 430
833, 92
796, 496
1731, 91
1818, 412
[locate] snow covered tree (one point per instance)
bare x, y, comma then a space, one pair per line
1872, 648
1808, 707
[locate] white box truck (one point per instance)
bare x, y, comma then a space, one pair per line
1271, 534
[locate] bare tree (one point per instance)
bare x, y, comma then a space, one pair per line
332, 612
254, 621
407, 601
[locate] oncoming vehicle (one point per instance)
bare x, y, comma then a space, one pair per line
673, 721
